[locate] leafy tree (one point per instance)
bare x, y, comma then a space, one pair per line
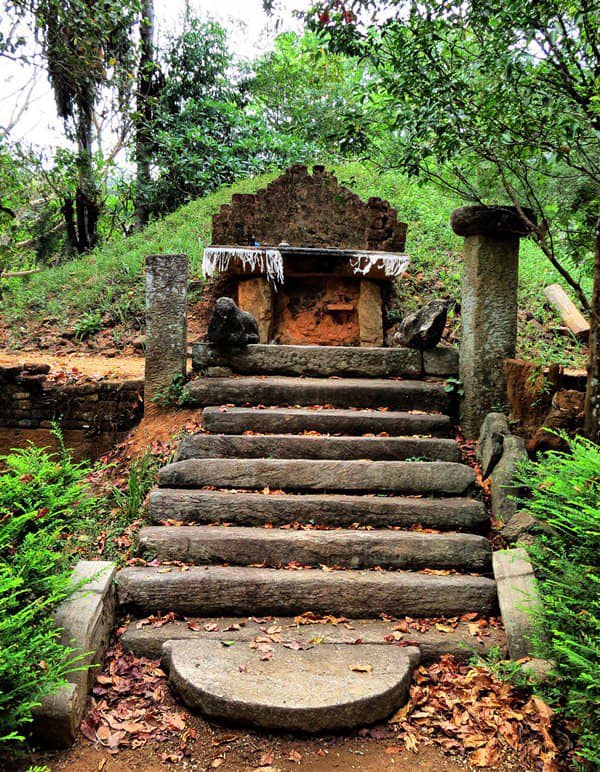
504, 94
303, 89
202, 133
87, 46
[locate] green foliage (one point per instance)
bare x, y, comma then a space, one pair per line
43, 499
174, 395
565, 496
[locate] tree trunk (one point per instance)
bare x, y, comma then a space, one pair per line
144, 114
86, 199
592, 397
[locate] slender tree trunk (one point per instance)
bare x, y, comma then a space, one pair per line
592, 397
86, 200
144, 114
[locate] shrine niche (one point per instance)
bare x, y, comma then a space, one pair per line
310, 259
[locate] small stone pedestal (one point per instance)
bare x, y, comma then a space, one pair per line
166, 323
489, 306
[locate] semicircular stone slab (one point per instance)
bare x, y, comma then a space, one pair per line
328, 686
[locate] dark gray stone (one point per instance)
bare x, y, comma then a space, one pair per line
336, 392
232, 420
147, 641
230, 327
245, 591
320, 446
491, 221
520, 528
491, 440
166, 322
409, 477
346, 548
190, 506
321, 361
518, 598
238, 684
423, 329
502, 488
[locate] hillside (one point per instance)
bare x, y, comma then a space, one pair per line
96, 302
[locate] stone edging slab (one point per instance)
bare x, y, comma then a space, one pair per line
86, 620
518, 598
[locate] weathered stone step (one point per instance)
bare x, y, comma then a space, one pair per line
241, 685
411, 477
345, 548
216, 590
325, 361
237, 420
147, 641
323, 446
337, 392
335, 510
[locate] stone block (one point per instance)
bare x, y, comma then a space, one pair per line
518, 598
490, 443
370, 314
86, 621
256, 296
441, 360
502, 487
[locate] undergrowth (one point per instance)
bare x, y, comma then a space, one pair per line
564, 494
105, 289
43, 501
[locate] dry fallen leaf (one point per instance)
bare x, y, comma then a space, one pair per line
359, 668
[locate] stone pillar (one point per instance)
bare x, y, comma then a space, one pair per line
166, 322
256, 296
489, 306
370, 314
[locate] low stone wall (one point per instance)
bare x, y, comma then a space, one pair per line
29, 399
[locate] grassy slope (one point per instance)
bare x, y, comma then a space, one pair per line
105, 289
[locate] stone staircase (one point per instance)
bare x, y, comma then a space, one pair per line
340, 496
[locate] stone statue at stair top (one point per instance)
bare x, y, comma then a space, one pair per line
230, 327
423, 329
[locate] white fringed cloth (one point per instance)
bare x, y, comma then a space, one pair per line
270, 261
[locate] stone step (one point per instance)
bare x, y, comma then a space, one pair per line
217, 590
232, 420
311, 447
325, 361
409, 477
346, 548
239, 684
144, 640
334, 510
337, 392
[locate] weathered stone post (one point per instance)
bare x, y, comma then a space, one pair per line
489, 306
166, 322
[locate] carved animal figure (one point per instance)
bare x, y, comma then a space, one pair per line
230, 327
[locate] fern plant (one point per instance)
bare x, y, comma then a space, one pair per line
564, 494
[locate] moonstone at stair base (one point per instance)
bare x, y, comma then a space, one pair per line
311, 690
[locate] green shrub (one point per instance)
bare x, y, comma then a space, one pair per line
565, 496
43, 499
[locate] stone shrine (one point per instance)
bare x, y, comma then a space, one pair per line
311, 259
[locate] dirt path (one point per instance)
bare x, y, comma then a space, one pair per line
263, 753
94, 365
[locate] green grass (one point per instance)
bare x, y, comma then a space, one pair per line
105, 289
